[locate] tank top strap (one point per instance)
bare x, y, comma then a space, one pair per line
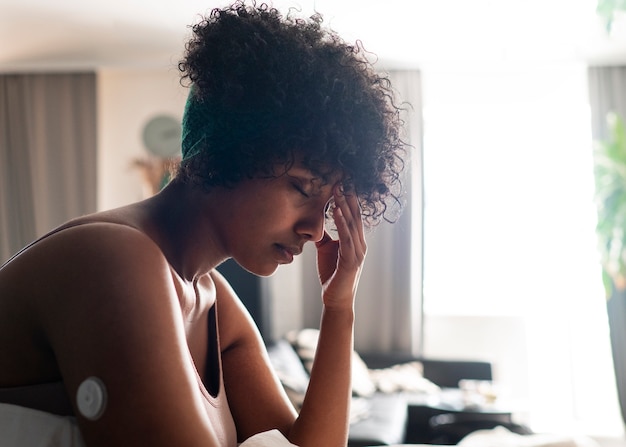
65, 226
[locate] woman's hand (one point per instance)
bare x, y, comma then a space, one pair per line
339, 263
325, 414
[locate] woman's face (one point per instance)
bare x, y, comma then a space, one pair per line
268, 220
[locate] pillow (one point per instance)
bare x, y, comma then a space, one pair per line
305, 343
365, 382
362, 384
290, 371
402, 377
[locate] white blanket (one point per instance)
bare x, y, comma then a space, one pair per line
25, 427
272, 438
501, 437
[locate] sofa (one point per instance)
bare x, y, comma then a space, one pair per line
397, 398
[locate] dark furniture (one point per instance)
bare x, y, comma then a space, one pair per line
446, 421
385, 424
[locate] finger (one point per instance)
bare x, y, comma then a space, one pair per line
351, 212
343, 230
324, 240
349, 246
352, 200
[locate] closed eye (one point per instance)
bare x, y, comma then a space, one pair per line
298, 188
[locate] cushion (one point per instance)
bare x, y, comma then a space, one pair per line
385, 424
290, 371
305, 343
365, 381
402, 377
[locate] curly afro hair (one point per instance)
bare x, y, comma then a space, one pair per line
276, 89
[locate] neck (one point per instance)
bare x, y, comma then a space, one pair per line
184, 219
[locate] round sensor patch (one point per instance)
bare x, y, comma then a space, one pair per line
91, 398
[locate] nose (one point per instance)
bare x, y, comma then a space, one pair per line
311, 226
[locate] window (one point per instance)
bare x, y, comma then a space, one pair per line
509, 230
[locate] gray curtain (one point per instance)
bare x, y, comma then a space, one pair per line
47, 154
389, 301
607, 93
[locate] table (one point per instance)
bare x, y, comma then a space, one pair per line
446, 418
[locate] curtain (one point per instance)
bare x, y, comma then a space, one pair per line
389, 299
47, 154
607, 93
616, 307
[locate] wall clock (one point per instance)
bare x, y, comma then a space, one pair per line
162, 136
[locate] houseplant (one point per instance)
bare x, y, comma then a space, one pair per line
609, 159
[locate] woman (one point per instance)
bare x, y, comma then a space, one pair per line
120, 318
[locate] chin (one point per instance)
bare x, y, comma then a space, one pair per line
269, 271
260, 270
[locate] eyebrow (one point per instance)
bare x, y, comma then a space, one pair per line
305, 176
302, 173
311, 176
312, 183
305, 179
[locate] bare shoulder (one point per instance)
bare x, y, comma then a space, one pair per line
77, 265
103, 278
101, 260
100, 241
113, 241
70, 274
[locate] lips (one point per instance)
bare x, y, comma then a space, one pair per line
287, 253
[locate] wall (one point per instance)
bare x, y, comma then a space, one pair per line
126, 101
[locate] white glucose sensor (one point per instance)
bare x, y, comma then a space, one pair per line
91, 398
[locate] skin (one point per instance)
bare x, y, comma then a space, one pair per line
139, 293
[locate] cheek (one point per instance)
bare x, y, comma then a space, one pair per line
261, 212
266, 205
273, 207
264, 215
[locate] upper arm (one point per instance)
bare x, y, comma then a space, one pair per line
256, 398
112, 312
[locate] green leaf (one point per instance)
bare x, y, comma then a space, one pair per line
609, 167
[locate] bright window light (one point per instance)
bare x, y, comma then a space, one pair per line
509, 228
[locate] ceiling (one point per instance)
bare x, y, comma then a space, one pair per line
87, 34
